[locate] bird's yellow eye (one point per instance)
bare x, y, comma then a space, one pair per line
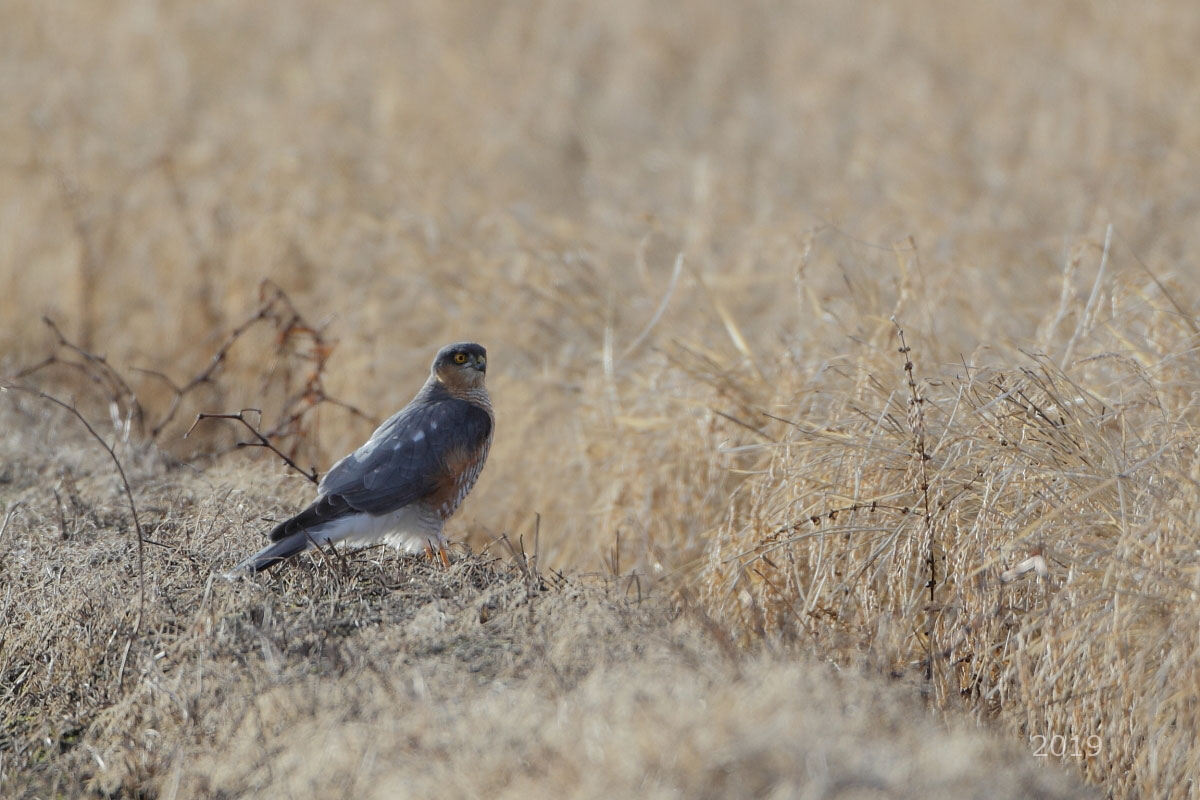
460, 358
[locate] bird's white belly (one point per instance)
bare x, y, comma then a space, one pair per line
410, 529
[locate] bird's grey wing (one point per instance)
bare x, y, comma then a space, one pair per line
414, 457
347, 468
342, 476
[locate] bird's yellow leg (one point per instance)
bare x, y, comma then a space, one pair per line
442, 554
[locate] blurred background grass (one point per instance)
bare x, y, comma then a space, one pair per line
526, 175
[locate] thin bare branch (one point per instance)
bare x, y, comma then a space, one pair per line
137, 524
261, 440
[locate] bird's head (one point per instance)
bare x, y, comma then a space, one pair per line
461, 365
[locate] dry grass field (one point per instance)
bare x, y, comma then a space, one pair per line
736, 536
385, 677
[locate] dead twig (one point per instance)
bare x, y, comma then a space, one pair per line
96, 369
291, 326
261, 440
298, 343
269, 300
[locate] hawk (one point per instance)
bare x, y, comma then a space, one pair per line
410, 476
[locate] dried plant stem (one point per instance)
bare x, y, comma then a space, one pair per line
916, 418
137, 524
261, 439
272, 296
95, 367
8, 517
1087, 318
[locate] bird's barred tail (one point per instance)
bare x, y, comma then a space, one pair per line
273, 554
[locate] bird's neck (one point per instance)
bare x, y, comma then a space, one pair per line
437, 389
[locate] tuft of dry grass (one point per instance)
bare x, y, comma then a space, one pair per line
1021, 536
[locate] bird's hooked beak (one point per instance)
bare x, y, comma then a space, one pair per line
479, 362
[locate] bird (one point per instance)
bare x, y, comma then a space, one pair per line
403, 483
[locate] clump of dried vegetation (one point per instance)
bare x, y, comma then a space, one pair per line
1019, 535
869, 336
376, 675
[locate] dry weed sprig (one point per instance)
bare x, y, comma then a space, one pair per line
264, 312
1087, 318
295, 337
261, 439
95, 368
535, 581
658, 312
137, 523
275, 306
916, 422
9, 514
